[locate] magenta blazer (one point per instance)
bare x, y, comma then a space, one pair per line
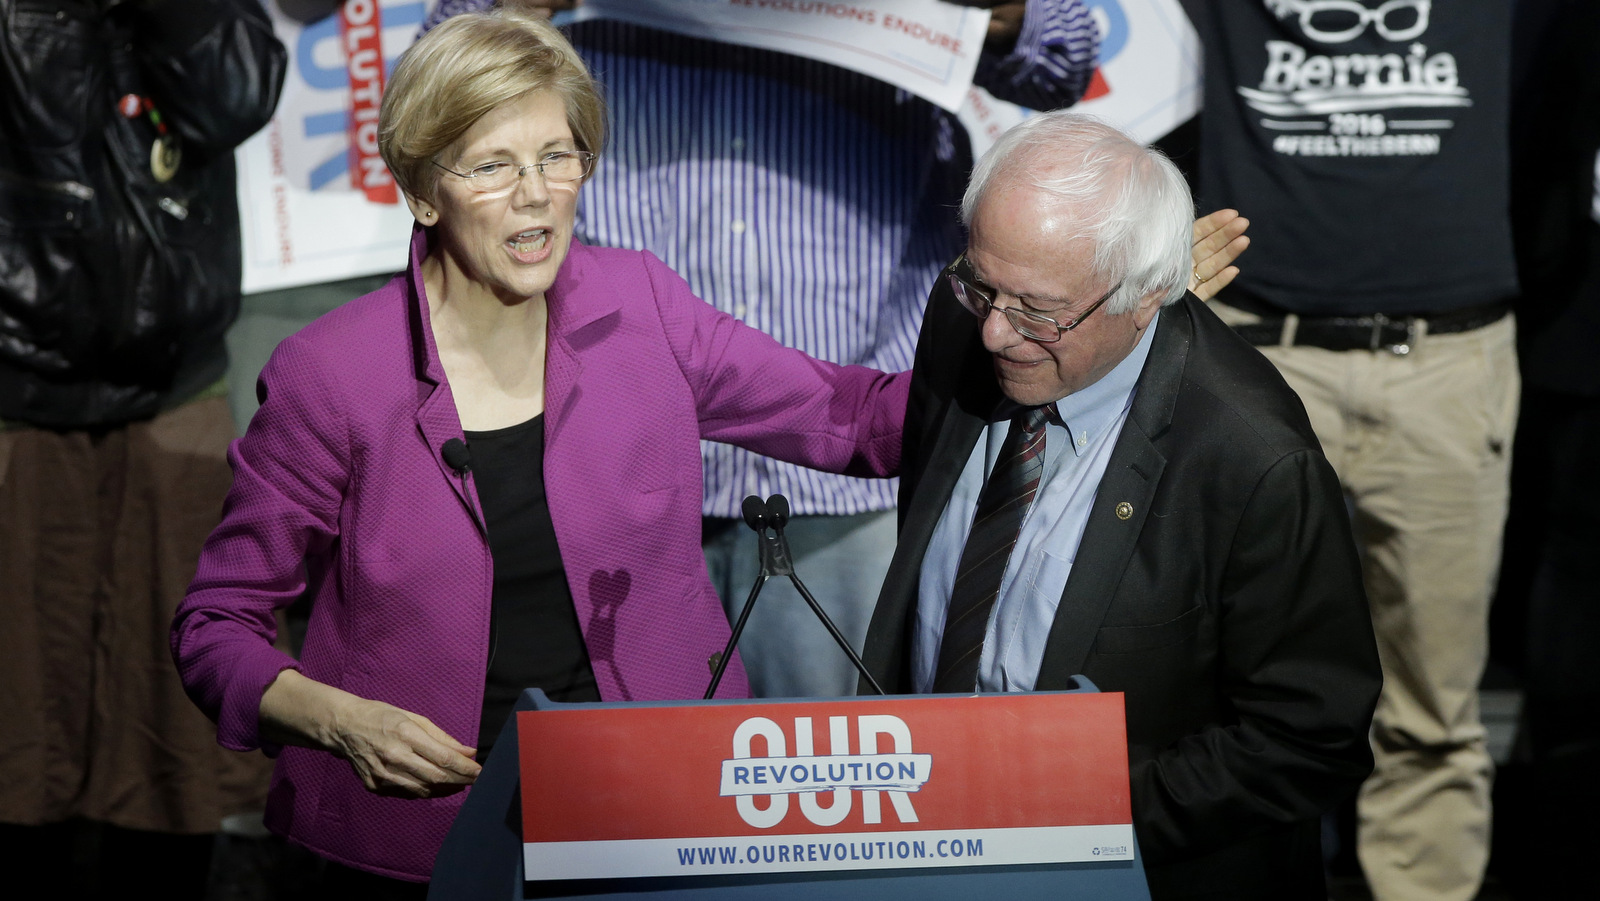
339, 485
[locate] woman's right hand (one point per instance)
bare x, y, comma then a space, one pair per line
394, 752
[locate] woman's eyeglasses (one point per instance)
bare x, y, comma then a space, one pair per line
501, 175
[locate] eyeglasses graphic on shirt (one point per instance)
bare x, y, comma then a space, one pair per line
978, 298
1338, 21
501, 175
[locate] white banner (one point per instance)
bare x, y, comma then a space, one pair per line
1147, 83
927, 47
305, 220
1149, 78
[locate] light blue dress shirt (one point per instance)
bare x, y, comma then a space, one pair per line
1036, 574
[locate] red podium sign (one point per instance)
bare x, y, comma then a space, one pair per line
936, 781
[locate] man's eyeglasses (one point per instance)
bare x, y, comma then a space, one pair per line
978, 298
501, 175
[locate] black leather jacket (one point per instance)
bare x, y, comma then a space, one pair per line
119, 275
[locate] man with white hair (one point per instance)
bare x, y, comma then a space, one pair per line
1101, 478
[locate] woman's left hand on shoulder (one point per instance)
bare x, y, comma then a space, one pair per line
1218, 240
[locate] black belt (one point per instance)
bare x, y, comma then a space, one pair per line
1396, 334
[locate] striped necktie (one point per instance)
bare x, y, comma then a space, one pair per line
1001, 508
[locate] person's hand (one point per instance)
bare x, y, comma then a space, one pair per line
393, 751
1005, 21
1005, 25
396, 752
1218, 240
545, 8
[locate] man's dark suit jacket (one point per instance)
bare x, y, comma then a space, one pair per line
1227, 605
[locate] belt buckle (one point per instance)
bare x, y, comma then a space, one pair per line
1401, 349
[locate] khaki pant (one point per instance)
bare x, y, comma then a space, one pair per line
1422, 445
99, 534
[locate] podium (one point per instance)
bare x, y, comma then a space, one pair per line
902, 797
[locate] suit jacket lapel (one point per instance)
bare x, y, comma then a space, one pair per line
966, 412
961, 416
581, 296
947, 459
1120, 505
437, 418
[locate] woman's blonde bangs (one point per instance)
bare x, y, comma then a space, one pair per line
466, 67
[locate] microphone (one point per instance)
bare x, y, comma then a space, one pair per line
456, 456
778, 511
776, 560
755, 513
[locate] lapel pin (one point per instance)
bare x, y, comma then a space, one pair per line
1124, 510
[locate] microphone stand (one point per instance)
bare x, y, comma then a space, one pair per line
767, 520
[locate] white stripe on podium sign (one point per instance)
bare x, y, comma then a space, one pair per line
825, 852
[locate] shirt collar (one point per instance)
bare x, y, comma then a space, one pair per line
1090, 412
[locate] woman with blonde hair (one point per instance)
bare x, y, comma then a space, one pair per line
488, 471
